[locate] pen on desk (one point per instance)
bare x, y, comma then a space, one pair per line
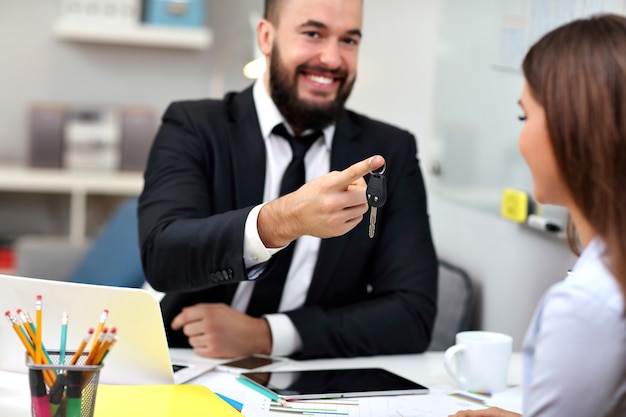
466, 396
264, 391
63, 338
81, 347
483, 393
41, 406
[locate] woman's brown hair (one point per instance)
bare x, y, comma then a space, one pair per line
577, 73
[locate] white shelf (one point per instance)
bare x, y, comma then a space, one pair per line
77, 184
39, 180
137, 35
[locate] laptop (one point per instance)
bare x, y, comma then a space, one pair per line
140, 356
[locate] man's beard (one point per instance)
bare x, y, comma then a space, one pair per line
300, 114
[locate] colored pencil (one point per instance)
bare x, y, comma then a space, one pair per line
64, 320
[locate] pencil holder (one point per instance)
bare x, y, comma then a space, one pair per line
63, 390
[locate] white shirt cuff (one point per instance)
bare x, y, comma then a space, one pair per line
285, 338
254, 251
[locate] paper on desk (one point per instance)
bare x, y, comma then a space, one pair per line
388, 406
437, 403
226, 385
160, 401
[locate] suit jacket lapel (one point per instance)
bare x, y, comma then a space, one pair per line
345, 147
248, 156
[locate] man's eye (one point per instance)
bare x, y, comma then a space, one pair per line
312, 34
522, 117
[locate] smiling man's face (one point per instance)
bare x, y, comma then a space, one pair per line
313, 60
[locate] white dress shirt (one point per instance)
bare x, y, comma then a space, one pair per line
575, 348
285, 338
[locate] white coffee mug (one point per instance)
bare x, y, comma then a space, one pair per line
479, 361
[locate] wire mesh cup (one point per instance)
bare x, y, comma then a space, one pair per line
63, 390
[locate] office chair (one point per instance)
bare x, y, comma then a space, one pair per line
113, 258
454, 305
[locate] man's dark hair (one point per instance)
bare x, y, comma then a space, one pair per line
271, 11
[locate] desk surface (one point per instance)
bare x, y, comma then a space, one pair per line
426, 368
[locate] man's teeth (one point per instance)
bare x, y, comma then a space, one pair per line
321, 80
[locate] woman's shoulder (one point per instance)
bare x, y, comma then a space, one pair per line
591, 281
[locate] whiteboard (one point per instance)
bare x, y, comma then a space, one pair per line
478, 81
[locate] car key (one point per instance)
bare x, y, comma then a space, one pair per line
376, 196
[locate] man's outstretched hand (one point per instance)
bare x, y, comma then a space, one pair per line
328, 206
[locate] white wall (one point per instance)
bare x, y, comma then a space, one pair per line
396, 78
37, 67
512, 265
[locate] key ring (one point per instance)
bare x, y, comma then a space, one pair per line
369, 167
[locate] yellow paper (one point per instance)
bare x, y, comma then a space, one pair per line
160, 401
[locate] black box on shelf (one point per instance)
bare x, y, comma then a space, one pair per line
80, 137
46, 135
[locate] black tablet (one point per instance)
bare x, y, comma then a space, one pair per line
334, 383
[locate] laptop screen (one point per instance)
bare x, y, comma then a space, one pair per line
141, 354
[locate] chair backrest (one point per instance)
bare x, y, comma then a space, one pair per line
113, 258
454, 305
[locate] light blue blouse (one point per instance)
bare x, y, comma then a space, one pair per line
575, 348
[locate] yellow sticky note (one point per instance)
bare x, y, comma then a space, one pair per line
515, 205
160, 401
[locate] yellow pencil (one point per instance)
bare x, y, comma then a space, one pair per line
94, 350
27, 324
96, 336
49, 379
38, 331
16, 327
104, 346
81, 347
26, 331
113, 342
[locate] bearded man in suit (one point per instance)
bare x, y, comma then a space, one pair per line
249, 268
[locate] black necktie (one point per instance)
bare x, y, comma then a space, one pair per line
268, 291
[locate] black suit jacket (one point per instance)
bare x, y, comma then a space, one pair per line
206, 171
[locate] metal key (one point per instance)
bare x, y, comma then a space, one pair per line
376, 196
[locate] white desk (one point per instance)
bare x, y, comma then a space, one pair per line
426, 369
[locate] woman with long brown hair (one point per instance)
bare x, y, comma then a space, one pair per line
574, 142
